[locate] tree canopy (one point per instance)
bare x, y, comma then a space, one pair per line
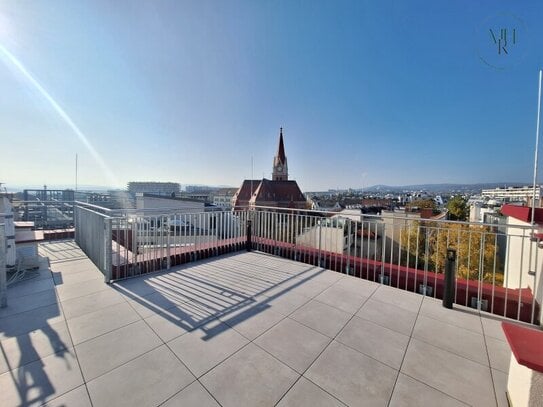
458, 208
476, 246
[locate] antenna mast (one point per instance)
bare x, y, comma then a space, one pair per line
536, 146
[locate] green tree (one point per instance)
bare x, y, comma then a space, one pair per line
458, 208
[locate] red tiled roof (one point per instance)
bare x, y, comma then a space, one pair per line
523, 213
248, 187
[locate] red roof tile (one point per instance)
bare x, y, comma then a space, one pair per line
523, 213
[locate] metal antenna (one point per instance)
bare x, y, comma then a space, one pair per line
536, 146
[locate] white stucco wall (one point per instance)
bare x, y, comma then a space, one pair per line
522, 256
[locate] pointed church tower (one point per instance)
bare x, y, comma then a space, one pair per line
280, 167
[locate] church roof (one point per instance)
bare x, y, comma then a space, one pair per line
278, 191
247, 188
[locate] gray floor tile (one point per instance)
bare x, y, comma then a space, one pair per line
493, 328
104, 353
452, 338
351, 377
151, 304
130, 384
342, 299
197, 285
69, 291
77, 397
251, 377
459, 316
90, 303
285, 304
409, 392
373, 340
135, 286
306, 394
29, 302
321, 317
74, 266
388, 315
28, 287
324, 276
115, 346
459, 377
202, 349
81, 276
400, 298
40, 381
500, 387
293, 343
309, 288
499, 353
34, 345
253, 320
176, 321
15, 325
194, 395
357, 285
97, 323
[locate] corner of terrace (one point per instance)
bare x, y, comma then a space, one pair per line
264, 307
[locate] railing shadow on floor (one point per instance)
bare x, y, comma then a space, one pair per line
190, 301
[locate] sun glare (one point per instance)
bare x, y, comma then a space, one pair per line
7, 57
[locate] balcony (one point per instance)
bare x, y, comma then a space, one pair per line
244, 328
321, 311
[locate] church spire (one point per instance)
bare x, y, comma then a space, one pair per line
280, 170
281, 147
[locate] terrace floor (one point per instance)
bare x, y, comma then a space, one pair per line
245, 329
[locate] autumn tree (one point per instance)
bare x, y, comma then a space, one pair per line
426, 243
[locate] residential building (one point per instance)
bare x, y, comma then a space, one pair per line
514, 194
223, 197
151, 201
157, 188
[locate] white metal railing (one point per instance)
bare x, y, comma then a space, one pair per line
45, 214
498, 268
144, 242
3, 283
93, 235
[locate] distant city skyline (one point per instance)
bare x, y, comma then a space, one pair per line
393, 93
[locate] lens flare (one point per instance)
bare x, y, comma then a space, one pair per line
9, 58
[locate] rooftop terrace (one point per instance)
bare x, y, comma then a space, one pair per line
242, 329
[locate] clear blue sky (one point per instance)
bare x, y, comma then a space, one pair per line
388, 92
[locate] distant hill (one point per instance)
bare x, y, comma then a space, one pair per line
445, 187
20, 188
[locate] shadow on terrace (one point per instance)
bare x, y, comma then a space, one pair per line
200, 296
33, 338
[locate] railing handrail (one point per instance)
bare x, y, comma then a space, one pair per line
402, 216
101, 208
39, 201
387, 216
93, 211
